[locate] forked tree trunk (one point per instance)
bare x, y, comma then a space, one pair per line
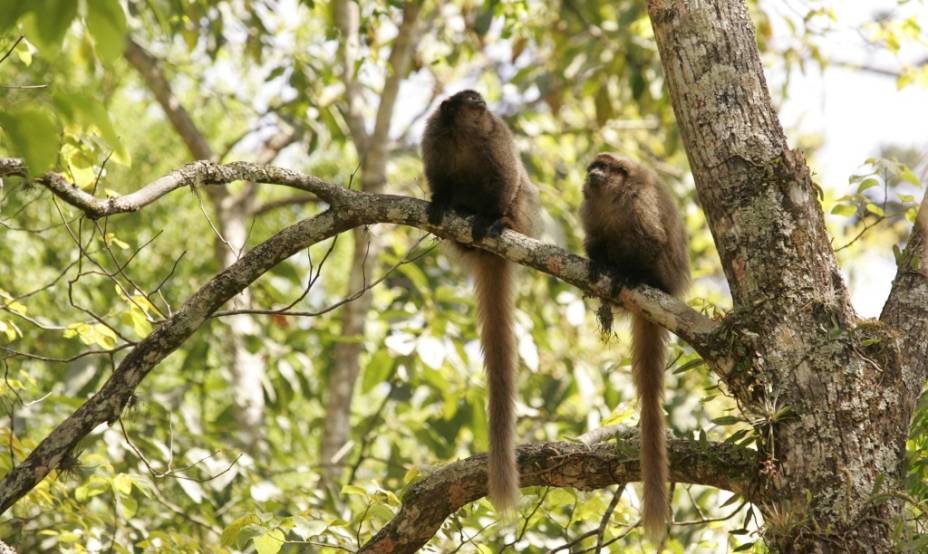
833, 393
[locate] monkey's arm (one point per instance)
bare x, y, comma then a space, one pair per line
648, 216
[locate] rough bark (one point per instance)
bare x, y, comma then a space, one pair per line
349, 209
428, 502
373, 150
826, 387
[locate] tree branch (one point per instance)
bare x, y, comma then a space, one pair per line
147, 66
373, 170
906, 309
368, 208
192, 174
428, 502
271, 205
348, 19
349, 209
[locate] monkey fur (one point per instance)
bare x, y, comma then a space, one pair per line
472, 167
634, 228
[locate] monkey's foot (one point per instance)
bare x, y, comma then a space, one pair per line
481, 228
497, 227
619, 282
436, 212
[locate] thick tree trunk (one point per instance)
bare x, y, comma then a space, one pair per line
826, 386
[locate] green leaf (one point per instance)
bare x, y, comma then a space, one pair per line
130, 506
68, 537
107, 24
10, 10
34, 136
906, 174
736, 436
270, 542
85, 110
354, 489
52, 19
867, 183
844, 209
688, 366
727, 420
874, 209
230, 534
122, 483
140, 324
378, 370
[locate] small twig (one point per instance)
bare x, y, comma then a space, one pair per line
526, 519
607, 515
170, 273
12, 48
17, 354
348, 299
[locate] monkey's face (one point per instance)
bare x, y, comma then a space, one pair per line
606, 173
466, 108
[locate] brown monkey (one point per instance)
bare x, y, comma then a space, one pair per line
472, 166
634, 228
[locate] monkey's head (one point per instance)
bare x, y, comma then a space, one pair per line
467, 108
608, 173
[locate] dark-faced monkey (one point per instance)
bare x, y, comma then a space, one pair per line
633, 226
472, 167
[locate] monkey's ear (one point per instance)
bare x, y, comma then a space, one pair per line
444, 106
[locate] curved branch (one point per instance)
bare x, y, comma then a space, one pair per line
349, 209
367, 208
106, 405
192, 174
428, 502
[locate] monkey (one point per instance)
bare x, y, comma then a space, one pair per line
634, 228
472, 167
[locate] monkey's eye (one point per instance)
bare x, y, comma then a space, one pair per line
596, 165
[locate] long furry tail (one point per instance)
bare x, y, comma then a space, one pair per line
493, 277
648, 358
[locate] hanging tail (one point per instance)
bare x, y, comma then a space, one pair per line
493, 277
648, 358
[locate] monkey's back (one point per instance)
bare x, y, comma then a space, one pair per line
476, 166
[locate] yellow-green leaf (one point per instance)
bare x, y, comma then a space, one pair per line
270, 542
122, 483
353, 489
24, 53
106, 22
33, 135
846, 210
230, 534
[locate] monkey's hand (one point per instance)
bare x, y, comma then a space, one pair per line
618, 279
